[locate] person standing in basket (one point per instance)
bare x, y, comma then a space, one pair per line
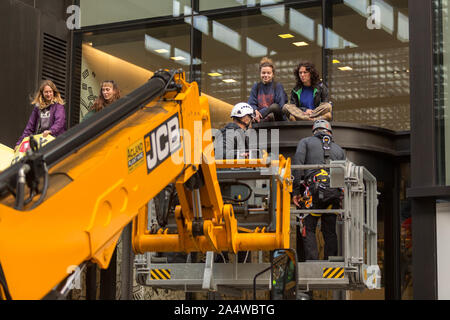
315, 183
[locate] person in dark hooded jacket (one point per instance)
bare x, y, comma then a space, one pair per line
232, 142
310, 150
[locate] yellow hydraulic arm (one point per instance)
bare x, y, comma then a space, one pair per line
89, 184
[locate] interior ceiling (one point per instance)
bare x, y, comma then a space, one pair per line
216, 55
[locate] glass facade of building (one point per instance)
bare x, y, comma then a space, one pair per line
372, 40
111, 11
364, 47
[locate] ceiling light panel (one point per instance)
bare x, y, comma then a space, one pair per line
286, 35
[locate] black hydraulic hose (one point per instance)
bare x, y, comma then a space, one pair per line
44, 189
250, 191
20, 194
30, 198
4, 290
254, 280
20, 189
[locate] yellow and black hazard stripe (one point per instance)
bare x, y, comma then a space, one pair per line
333, 273
160, 274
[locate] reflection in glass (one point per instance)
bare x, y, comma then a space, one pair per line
219, 4
111, 11
301, 24
275, 13
226, 35
231, 53
403, 27
200, 22
334, 41
359, 6
368, 67
181, 56
158, 46
386, 15
255, 49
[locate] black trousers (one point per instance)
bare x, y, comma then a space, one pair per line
328, 228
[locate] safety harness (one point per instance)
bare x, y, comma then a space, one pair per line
326, 140
322, 176
316, 184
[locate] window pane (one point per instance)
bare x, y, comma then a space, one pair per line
109, 11
232, 48
131, 57
369, 63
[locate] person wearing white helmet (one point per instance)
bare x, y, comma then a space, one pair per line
232, 142
313, 185
242, 114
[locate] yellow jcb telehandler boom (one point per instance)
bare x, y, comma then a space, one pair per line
68, 202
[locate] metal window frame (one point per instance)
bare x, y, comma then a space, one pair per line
423, 138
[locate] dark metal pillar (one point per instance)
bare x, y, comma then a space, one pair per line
196, 48
327, 23
423, 151
424, 248
91, 282
108, 279
392, 240
126, 270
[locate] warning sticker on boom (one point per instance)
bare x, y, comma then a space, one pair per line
135, 155
162, 142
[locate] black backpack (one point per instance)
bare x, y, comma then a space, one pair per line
322, 194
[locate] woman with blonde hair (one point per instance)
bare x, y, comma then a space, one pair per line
267, 97
48, 115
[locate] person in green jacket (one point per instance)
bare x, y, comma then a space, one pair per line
309, 98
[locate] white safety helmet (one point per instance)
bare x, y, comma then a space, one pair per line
241, 110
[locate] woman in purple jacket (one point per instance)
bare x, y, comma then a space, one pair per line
49, 115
